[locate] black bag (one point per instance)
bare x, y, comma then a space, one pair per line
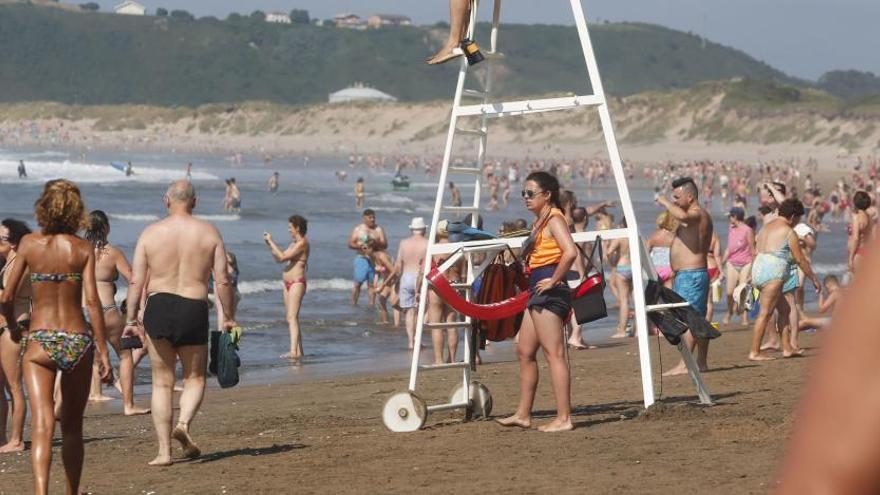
588, 298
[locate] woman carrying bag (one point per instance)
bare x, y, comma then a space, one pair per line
550, 252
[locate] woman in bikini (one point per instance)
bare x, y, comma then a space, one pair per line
659, 245
110, 263
550, 252
619, 249
61, 267
773, 272
296, 258
11, 233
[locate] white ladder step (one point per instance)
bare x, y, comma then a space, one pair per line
524, 107
470, 132
444, 366
448, 324
465, 170
460, 209
473, 93
661, 307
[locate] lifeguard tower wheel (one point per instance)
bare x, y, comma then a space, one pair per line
404, 412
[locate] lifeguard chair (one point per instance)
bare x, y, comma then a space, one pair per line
406, 410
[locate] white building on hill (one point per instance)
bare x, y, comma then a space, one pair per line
359, 92
278, 18
388, 20
130, 8
349, 21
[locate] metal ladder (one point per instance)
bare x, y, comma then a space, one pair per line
406, 411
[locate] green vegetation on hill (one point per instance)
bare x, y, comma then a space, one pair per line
94, 58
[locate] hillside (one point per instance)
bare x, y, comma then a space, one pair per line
746, 115
96, 58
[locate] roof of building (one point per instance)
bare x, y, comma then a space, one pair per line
127, 3
360, 92
346, 15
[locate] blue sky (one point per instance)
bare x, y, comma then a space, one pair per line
804, 38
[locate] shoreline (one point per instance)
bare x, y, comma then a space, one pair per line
267, 438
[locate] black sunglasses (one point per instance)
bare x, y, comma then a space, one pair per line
528, 193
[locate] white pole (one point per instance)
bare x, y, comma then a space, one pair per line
625, 201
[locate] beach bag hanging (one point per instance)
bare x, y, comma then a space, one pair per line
588, 298
501, 281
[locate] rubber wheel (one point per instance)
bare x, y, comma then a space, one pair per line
404, 412
480, 400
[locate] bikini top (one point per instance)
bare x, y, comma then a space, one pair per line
56, 277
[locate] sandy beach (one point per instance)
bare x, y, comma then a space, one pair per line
327, 436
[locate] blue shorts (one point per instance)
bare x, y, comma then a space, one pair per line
693, 286
407, 292
363, 270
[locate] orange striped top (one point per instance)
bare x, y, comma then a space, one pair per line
547, 250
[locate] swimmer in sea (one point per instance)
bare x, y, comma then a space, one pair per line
359, 193
273, 183
296, 257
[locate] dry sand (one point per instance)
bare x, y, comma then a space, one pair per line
327, 436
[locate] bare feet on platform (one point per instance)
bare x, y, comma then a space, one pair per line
161, 461
190, 449
760, 357
135, 411
12, 447
770, 347
99, 398
557, 425
515, 421
681, 369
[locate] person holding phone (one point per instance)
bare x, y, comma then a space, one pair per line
296, 260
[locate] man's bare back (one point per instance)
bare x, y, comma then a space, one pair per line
180, 252
412, 252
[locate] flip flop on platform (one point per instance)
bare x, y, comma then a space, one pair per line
455, 53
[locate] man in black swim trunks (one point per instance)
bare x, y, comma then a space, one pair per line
174, 259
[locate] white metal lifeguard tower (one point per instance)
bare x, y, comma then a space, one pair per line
406, 411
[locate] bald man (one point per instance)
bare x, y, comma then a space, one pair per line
173, 261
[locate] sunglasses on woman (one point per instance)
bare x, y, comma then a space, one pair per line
528, 193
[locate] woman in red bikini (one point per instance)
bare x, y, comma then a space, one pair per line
296, 258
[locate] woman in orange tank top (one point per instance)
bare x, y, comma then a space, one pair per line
550, 251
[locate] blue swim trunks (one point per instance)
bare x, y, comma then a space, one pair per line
693, 286
363, 270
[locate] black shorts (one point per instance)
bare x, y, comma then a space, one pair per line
556, 300
178, 320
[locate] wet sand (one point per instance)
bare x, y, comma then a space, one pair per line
327, 435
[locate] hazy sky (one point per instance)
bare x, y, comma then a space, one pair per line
804, 38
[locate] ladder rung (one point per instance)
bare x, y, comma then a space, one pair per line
660, 307
473, 93
470, 132
465, 170
447, 324
524, 107
460, 209
448, 407
444, 366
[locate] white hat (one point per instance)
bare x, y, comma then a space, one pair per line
740, 294
418, 223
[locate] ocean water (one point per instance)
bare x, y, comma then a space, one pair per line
337, 337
